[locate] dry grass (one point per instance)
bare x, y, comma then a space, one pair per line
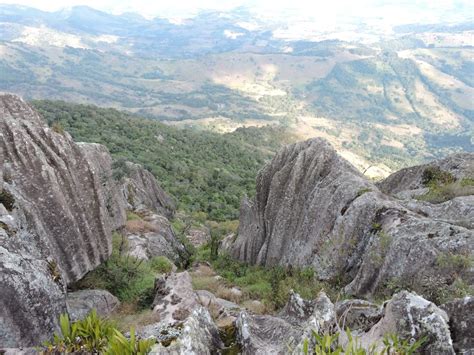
256, 307
137, 226
227, 294
127, 316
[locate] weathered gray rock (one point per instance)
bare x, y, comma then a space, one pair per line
461, 323
312, 208
412, 317
175, 298
227, 243
18, 351
185, 327
100, 161
358, 315
195, 336
142, 191
460, 165
55, 222
285, 333
81, 303
458, 211
155, 238
265, 334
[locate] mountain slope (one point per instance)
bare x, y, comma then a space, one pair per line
206, 172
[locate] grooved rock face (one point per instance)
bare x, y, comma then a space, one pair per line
55, 225
142, 191
312, 208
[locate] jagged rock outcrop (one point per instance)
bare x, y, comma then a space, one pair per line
184, 326
142, 191
312, 208
56, 224
412, 317
461, 323
81, 303
286, 332
59, 203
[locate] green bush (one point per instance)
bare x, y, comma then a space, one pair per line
130, 279
443, 186
436, 176
270, 285
96, 336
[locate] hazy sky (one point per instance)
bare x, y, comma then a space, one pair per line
402, 10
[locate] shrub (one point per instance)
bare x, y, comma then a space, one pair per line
161, 264
58, 127
435, 176
94, 335
270, 285
128, 278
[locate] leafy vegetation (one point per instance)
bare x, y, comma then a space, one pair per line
206, 172
270, 285
328, 344
128, 278
443, 186
95, 336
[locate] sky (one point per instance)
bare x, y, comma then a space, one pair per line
402, 10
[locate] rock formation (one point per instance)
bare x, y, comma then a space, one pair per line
142, 191
56, 225
184, 326
59, 203
412, 317
312, 208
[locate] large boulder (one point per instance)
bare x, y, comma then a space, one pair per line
312, 208
287, 331
55, 222
81, 303
412, 317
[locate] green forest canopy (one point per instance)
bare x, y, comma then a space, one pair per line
204, 171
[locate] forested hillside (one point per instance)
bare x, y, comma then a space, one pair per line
205, 172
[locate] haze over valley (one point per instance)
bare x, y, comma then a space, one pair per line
384, 92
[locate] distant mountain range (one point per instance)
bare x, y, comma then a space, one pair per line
385, 97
